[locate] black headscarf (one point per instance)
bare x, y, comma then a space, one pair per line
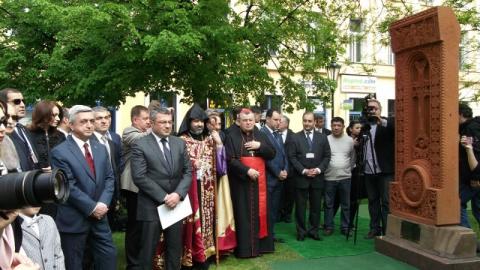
195, 112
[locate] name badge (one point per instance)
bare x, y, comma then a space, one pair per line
310, 155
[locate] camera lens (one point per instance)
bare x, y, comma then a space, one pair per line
32, 188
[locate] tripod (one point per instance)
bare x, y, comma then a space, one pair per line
359, 176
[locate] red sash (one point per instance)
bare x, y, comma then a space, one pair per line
258, 164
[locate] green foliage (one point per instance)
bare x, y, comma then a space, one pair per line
89, 51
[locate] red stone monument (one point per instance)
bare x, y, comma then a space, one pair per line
424, 202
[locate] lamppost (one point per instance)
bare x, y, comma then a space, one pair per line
332, 73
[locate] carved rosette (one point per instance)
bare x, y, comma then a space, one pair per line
414, 182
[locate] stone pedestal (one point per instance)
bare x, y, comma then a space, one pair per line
429, 247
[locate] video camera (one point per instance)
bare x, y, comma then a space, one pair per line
368, 112
32, 188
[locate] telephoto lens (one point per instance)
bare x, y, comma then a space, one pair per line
32, 188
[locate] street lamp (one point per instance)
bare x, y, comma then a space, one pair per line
332, 73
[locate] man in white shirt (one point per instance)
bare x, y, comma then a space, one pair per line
338, 176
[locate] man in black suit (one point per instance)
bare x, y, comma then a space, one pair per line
288, 187
379, 166
161, 170
21, 136
320, 125
102, 125
309, 154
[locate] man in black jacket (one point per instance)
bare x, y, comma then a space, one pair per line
309, 154
379, 166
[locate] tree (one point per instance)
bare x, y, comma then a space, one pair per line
88, 51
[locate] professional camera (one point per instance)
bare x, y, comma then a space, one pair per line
368, 112
32, 188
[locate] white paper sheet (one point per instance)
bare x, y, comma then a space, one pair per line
169, 216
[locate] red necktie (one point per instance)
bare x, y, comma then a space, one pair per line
89, 158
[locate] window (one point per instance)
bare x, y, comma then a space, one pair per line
319, 108
271, 102
356, 40
391, 108
356, 112
391, 56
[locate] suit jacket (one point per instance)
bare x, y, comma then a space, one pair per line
114, 161
278, 163
129, 136
153, 178
323, 130
117, 141
22, 150
385, 146
288, 143
298, 157
44, 249
86, 190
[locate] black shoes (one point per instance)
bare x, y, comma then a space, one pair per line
315, 236
372, 234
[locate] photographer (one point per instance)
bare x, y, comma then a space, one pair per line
9, 258
378, 135
469, 128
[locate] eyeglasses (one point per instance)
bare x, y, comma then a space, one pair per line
18, 101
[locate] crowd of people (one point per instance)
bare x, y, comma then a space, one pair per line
240, 181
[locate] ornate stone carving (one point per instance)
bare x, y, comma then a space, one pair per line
426, 59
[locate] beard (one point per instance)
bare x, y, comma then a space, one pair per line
196, 131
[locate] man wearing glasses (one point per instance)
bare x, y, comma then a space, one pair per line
20, 136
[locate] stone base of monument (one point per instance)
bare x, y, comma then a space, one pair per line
429, 247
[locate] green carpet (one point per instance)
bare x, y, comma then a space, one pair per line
370, 261
331, 246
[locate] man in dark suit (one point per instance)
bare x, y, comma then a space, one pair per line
309, 155
379, 167
288, 186
320, 125
83, 217
277, 168
102, 125
21, 136
161, 170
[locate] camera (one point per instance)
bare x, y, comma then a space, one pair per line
32, 188
368, 112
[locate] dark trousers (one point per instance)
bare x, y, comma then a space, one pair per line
173, 244
287, 199
342, 188
100, 243
133, 233
467, 193
378, 186
314, 197
274, 196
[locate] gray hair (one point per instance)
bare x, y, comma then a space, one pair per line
161, 110
76, 110
99, 109
286, 119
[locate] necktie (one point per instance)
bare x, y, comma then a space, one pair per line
32, 159
309, 140
89, 158
167, 153
278, 136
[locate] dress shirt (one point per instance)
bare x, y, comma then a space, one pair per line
80, 144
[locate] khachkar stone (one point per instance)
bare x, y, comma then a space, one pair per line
424, 202
426, 77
